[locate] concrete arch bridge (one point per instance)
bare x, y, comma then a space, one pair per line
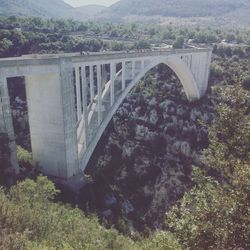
72, 97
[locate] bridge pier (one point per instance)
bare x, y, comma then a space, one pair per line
52, 118
112, 84
123, 75
6, 124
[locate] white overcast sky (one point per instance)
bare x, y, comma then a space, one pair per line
77, 3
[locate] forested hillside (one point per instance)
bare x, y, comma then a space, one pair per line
178, 8
208, 10
220, 12
19, 36
38, 8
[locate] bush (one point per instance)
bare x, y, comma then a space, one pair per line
24, 158
29, 219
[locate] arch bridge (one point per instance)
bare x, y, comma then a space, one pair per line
72, 97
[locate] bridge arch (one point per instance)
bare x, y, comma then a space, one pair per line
63, 142
182, 72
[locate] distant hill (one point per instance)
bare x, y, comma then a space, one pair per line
208, 12
177, 8
90, 10
40, 8
224, 10
48, 9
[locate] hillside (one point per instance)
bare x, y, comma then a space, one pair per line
90, 10
214, 11
179, 8
48, 9
41, 8
210, 12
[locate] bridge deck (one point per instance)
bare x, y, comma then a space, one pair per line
45, 59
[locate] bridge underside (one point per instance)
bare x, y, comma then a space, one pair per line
71, 100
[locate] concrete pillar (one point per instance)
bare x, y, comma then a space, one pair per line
91, 79
133, 70
112, 82
78, 94
6, 124
123, 75
142, 64
104, 75
51, 106
99, 93
85, 105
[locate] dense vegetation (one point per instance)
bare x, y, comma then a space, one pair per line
20, 36
180, 8
30, 220
214, 214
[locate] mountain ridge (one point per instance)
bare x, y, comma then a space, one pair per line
40, 8
179, 8
211, 12
223, 12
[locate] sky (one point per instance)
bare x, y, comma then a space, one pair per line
77, 3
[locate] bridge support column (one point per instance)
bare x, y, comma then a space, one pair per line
133, 70
52, 120
85, 105
123, 75
78, 94
112, 86
6, 124
99, 93
104, 75
91, 80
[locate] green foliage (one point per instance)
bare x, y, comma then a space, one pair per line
216, 70
36, 35
178, 43
28, 208
230, 135
5, 46
142, 44
205, 37
160, 241
24, 158
117, 46
215, 213
29, 219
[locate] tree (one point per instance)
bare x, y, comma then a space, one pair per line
178, 43
215, 213
5, 46
25, 159
142, 44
